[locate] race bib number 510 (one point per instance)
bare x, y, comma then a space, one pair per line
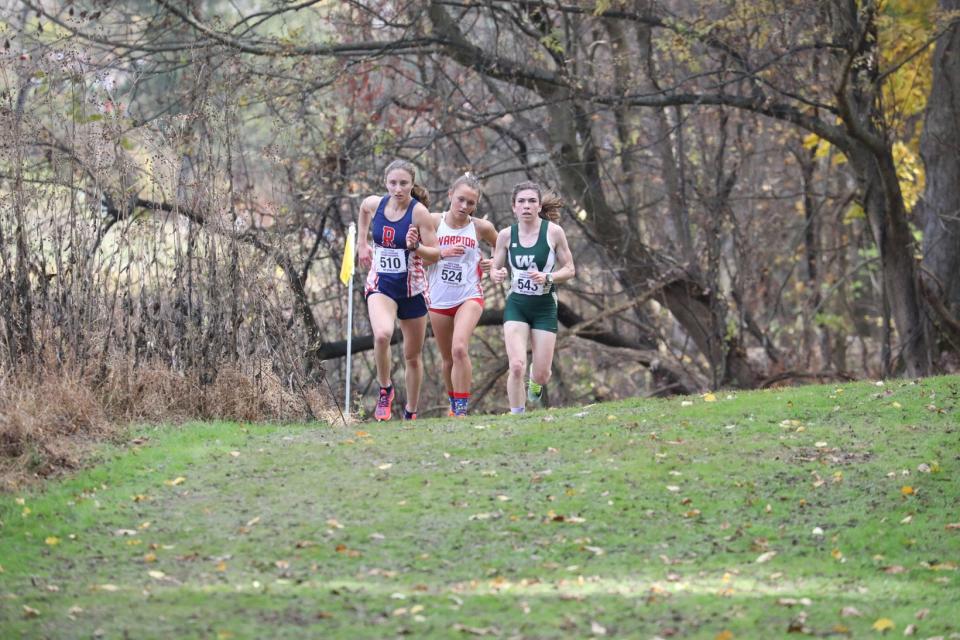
390, 260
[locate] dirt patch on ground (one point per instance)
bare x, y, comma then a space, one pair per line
829, 455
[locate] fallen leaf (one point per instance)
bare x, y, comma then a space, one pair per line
709, 397
726, 634
30, 612
157, 575
597, 629
384, 466
475, 631
792, 602
883, 624
107, 587
150, 557
332, 522
907, 520
176, 481
52, 541
922, 613
907, 490
850, 612
894, 569
953, 526
765, 557
910, 630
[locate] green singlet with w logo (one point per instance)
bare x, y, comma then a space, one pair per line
530, 302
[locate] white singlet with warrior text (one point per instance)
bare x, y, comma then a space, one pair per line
456, 279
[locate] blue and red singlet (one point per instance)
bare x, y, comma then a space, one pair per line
395, 271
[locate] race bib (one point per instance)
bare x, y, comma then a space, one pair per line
524, 284
451, 272
390, 260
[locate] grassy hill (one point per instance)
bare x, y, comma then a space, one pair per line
824, 510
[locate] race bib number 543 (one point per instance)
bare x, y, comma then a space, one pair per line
524, 284
390, 260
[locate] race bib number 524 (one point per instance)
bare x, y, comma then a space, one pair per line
451, 272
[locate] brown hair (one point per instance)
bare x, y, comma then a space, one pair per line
550, 203
470, 179
418, 191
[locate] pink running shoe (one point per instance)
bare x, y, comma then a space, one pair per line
384, 404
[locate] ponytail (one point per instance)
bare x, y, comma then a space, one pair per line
550, 206
420, 193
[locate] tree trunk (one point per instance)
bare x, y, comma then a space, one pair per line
940, 150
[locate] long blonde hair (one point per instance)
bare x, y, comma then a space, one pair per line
550, 203
418, 191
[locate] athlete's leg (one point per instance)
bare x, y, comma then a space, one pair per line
544, 343
464, 323
414, 332
383, 315
515, 336
442, 325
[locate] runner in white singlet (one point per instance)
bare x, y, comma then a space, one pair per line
455, 292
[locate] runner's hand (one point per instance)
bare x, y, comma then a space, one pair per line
485, 264
453, 250
498, 275
364, 255
413, 238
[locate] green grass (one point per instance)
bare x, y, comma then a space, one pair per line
631, 519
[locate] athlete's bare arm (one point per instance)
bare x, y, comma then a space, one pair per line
488, 233
498, 272
423, 229
558, 239
368, 208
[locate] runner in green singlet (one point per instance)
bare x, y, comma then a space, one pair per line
536, 250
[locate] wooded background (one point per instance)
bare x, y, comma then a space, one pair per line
757, 192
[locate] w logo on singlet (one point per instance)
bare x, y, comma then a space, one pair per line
524, 262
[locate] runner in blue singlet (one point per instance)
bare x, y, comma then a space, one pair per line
404, 240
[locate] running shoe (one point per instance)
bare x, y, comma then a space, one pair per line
409, 415
534, 390
384, 404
